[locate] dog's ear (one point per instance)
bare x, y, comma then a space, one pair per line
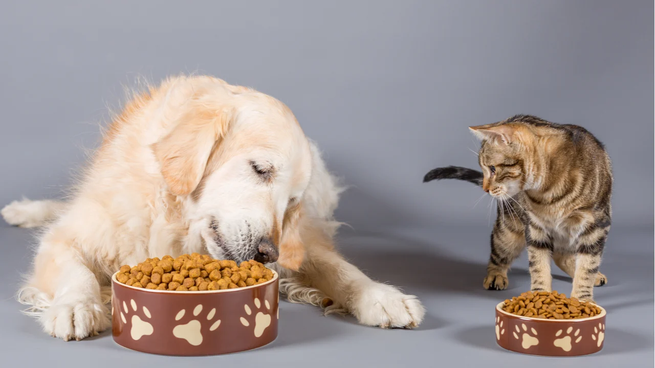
183, 153
292, 249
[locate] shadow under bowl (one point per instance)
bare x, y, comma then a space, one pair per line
192, 323
550, 337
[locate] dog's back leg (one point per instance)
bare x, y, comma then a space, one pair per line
27, 213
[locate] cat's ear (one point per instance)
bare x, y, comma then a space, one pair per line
493, 132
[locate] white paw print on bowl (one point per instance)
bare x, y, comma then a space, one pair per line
566, 342
528, 338
262, 320
499, 328
599, 334
138, 327
192, 330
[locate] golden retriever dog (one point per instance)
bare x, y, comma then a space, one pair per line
198, 165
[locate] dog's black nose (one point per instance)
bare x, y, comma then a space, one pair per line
266, 252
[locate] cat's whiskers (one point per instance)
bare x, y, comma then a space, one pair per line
479, 199
475, 153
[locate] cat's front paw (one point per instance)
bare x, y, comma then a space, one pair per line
495, 281
600, 279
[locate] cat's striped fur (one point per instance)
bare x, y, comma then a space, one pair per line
553, 183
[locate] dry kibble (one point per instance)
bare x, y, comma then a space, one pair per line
122, 277
546, 305
194, 273
202, 273
215, 275
145, 280
188, 282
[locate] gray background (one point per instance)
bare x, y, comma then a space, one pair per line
387, 89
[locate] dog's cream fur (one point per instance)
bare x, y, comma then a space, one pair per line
197, 165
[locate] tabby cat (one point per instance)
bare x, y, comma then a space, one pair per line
553, 183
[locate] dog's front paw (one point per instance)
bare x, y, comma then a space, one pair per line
76, 320
385, 306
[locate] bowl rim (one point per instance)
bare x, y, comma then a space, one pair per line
115, 281
574, 320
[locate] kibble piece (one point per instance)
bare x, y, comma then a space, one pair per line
194, 273
155, 278
177, 264
157, 270
193, 288
173, 285
139, 275
181, 288
125, 269
137, 285
166, 278
203, 286
162, 287
178, 278
145, 280
147, 269
188, 282
184, 273
151, 286
241, 283
122, 278
215, 275
250, 281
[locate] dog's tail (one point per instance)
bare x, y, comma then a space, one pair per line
455, 172
26, 213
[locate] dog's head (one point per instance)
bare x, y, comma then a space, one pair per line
241, 163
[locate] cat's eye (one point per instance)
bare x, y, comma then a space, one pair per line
492, 169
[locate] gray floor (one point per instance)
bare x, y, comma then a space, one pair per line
444, 266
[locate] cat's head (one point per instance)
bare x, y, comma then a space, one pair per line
504, 156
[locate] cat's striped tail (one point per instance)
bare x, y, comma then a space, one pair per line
454, 172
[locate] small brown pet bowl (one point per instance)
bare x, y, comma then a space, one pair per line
550, 337
195, 322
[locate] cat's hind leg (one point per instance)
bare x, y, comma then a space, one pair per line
507, 243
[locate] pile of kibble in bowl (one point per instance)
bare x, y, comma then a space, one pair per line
551, 305
193, 272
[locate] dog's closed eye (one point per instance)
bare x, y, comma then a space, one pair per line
263, 171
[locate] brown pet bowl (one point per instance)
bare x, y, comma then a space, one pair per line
550, 337
194, 322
